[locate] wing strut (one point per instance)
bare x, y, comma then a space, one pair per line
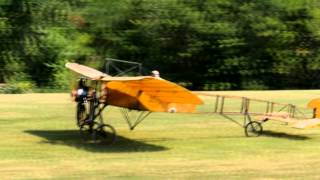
134, 121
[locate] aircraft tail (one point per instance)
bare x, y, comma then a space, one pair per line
315, 105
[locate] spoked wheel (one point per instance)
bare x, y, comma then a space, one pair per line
253, 129
81, 114
104, 134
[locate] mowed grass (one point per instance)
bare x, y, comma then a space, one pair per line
39, 140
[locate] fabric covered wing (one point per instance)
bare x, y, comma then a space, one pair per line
151, 94
98, 75
142, 92
86, 71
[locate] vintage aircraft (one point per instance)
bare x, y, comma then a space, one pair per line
152, 94
143, 93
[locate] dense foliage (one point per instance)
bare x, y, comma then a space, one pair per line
203, 44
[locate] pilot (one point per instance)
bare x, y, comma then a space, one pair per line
82, 91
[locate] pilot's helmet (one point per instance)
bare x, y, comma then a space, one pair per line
82, 82
155, 73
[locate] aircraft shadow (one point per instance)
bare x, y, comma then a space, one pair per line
73, 138
284, 135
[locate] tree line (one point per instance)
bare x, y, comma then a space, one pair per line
202, 44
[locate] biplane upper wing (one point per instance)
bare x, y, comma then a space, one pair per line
142, 92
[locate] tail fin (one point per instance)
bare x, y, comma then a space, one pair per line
315, 105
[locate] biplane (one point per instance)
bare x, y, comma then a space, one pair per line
148, 94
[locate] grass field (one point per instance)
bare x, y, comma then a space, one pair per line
39, 140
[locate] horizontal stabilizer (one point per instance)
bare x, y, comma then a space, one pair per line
292, 122
309, 123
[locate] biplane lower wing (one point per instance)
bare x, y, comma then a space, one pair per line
142, 92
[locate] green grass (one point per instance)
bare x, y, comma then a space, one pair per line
39, 140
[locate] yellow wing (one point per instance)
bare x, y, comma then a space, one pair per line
142, 92
151, 94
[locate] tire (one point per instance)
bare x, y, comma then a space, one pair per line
253, 129
81, 114
104, 134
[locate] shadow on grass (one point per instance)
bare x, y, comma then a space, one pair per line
284, 135
73, 138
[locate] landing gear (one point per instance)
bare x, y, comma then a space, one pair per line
88, 110
93, 131
81, 114
253, 129
104, 134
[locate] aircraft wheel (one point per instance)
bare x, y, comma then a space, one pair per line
104, 134
253, 129
81, 114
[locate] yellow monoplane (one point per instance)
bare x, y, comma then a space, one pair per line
148, 94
